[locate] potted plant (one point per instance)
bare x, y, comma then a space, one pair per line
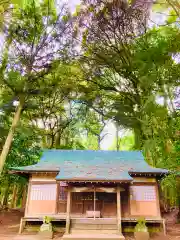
141, 230
46, 230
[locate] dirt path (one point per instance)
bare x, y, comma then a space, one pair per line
9, 221
9, 226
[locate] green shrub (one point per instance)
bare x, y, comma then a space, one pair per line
141, 226
47, 219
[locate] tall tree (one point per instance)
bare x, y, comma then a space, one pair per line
37, 42
55, 115
25, 150
123, 67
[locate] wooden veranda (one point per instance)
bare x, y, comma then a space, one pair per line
94, 211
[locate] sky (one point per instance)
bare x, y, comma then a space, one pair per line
72, 3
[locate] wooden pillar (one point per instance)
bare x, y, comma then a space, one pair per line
158, 199
68, 211
57, 197
22, 225
119, 227
28, 197
94, 203
164, 227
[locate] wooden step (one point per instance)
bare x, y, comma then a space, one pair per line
93, 226
94, 236
94, 221
93, 231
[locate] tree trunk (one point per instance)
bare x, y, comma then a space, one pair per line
139, 137
23, 203
44, 141
178, 216
9, 138
57, 140
138, 140
178, 201
117, 138
175, 5
5, 197
52, 141
14, 196
99, 142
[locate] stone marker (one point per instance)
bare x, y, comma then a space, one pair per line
46, 231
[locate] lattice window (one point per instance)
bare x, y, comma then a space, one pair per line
43, 192
62, 193
143, 193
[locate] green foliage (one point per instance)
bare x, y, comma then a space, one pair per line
126, 143
66, 18
170, 8
170, 187
172, 18
47, 219
160, 5
77, 11
30, 29
90, 142
30, 58
141, 225
10, 5
131, 74
24, 151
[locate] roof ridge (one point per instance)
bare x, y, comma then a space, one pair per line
80, 150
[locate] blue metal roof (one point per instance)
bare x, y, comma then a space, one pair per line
92, 165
